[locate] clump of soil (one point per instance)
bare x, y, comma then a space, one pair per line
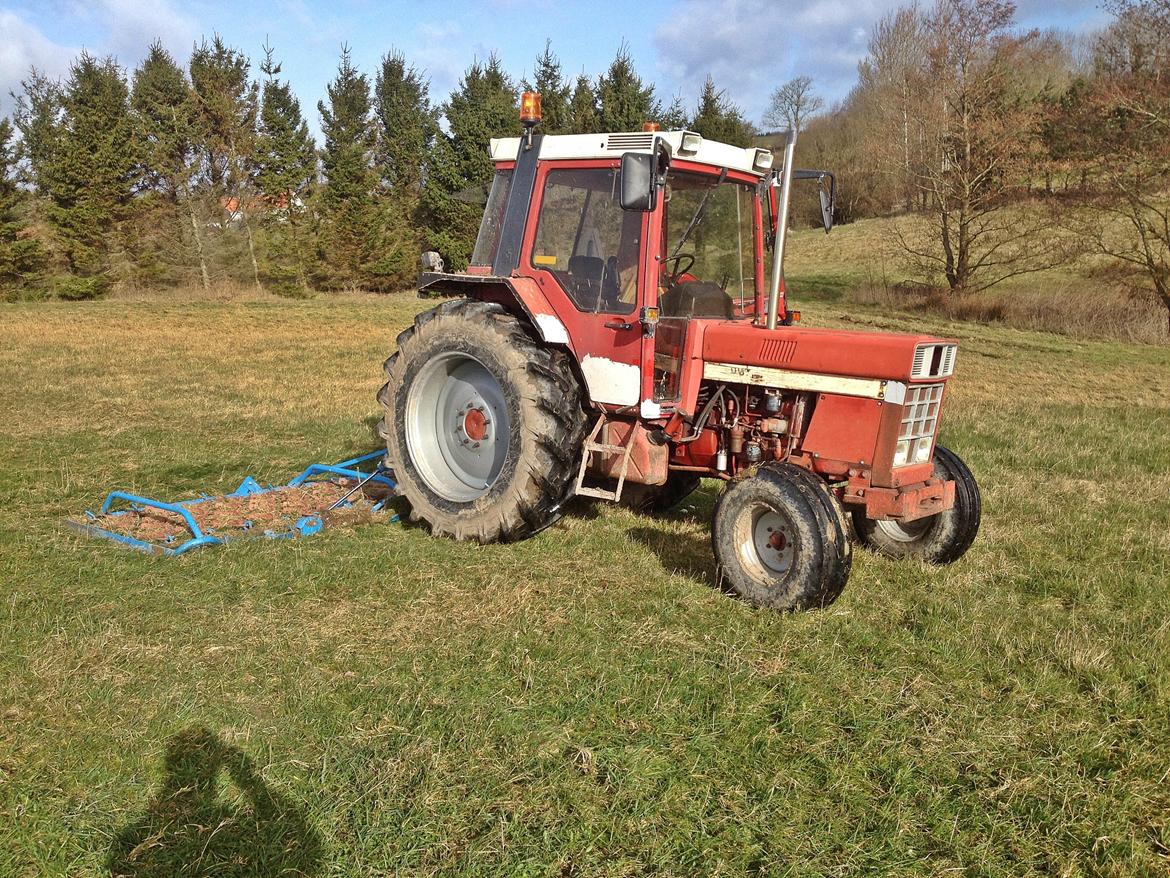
275, 510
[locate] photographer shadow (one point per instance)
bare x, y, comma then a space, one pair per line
191, 828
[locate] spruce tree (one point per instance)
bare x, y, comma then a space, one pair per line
347, 201
625, 102
286, 168
675, 117
173, 232
21, 256
719, 119
555, 91
583, 108
483, 107
406, 129
226, 106
406, 124
91, 176
38, 119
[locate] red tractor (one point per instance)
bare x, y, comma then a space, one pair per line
622, 331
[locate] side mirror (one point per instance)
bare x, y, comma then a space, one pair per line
639, 189
828, 201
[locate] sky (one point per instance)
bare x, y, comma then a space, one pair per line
748, 46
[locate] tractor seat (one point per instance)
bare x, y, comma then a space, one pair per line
696, 298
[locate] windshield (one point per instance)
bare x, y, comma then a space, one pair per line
709, 247
490, 226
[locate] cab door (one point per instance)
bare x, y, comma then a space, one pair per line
585, 252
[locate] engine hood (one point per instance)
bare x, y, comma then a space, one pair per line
883, 355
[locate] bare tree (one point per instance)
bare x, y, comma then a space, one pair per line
1128, 124
977, 117
792, 104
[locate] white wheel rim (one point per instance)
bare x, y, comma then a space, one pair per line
766, 540
908, 531
457, 427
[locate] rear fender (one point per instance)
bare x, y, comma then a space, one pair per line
520, 295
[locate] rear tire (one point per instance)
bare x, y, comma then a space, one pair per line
779, 539
483, 424
937, 539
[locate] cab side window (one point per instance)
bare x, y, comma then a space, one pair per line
587, 242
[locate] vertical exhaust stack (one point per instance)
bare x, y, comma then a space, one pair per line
785, 183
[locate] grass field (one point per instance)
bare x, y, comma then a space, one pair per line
376, 701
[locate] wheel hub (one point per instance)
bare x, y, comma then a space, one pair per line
474, 425
772, 540
457, 426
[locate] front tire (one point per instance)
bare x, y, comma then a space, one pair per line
780, 540
483, 425
936, 539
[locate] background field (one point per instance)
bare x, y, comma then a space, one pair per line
584, 703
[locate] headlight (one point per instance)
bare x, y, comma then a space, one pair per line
922, 451
902, 452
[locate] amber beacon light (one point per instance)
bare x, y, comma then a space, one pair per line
530, 108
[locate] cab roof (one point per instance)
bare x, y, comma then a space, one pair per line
751, 160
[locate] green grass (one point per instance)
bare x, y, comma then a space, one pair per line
376, 701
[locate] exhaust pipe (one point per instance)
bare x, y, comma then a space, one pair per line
785, 184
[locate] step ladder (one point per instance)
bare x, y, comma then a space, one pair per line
592, 446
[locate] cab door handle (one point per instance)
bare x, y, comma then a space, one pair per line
619, 325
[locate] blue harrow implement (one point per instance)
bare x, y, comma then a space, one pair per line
363, 479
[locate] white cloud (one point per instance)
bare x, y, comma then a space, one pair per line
752, 46
22, 47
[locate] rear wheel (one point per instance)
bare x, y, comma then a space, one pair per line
936, 539
779, 541
483, 425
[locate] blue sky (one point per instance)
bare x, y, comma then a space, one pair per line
749, 46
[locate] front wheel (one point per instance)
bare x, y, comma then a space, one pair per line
780, 540
936, 539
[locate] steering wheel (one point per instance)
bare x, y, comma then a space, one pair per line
679, 268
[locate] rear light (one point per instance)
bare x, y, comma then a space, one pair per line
530, 108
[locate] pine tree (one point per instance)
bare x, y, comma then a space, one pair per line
165, 130
583, 108
347, 200
21, 257
406, 124
286, 168
406, 129
719, 119
38, 119
91, 175
675, 117
483, 107
549, 81
625, 102
226, 106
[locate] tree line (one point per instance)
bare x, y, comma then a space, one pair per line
1004, 151
196, 173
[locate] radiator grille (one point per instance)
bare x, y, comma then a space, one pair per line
636, 140
919, 423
